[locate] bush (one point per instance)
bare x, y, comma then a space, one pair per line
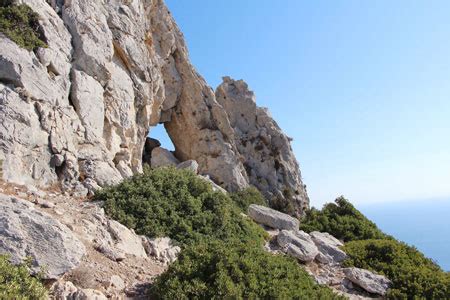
223, 255
342, 220
248, 196
16, 282
284, 204
413, 275
176, 203
20, 24
216, 270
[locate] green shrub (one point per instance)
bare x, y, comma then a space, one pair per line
217, 270
248, 196
16, 282
284, 204
176, 203
342, 220
20, 24
413, 275
223, 255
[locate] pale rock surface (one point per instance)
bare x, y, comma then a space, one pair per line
298, 244
328, 246
190, 165
79, 111
373, 283
265, 150
88, 294
162, 249
163, 158
26, 232
117, 282
272, 218
126, 240
62, 290
87, 98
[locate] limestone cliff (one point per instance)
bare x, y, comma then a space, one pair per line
79, 111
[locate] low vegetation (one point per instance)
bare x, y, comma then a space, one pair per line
17, 283
216, 270
222, 253
20, 24
177, 203
248, 196
413, 275
342, 220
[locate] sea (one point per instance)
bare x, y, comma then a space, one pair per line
424, 224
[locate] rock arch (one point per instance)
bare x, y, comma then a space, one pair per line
85, 123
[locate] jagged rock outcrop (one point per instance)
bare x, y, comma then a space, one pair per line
26, 232
79, 111
264, 149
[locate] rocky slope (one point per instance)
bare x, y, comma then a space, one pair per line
79, 111
83, 253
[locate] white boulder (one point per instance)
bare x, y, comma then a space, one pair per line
328, 245
163, 158
162, 249
298, 244
272, 218
27, 232
373, 283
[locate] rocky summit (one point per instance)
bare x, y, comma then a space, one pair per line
78, 112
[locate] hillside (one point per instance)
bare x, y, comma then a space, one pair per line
92, 207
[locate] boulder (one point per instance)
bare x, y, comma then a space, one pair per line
373, 283
126, 240
190, 165
163, 158
298, 244
88, 294
162, 249
27, 232
110, 252
149, 145
62, 290
328, 245
272, 218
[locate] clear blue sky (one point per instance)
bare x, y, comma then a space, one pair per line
363, 87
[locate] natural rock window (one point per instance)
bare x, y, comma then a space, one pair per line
158, 149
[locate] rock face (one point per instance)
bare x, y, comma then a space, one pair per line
373, 283
272, 218
265, 150
79, 111
26, 232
